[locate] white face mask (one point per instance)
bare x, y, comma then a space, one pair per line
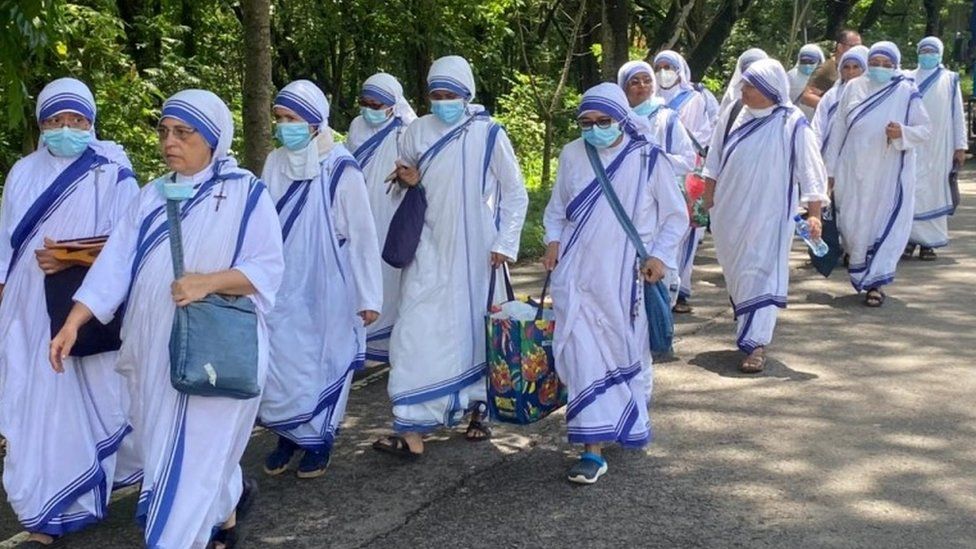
303, 163
667, 78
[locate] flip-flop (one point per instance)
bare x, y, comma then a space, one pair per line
874, 298
478, 424
396, 446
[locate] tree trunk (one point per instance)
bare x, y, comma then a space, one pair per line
615, 24
933, 21
874, 13
587, 66
257, 82
706, 50
837, 13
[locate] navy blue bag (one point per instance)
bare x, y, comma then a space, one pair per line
657, 301
407, 223
213, 345
831, 236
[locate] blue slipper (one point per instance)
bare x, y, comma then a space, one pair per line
588, 469
313, 464
278, 460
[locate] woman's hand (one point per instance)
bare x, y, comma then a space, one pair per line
368, 317
959, 157
408, 175
497, 259
893, 130
708, 197
653, 270
816, 227
46, 260
551, 258
191, 287
64, 340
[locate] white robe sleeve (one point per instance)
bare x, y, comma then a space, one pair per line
514, 199
554, 219
810, 173
409, 147
918, 129
819, 122
107, 282
354, 223
124, 199
713, 162
261, 257
671, 214
7, 224
959, 138
682, 153
838, 130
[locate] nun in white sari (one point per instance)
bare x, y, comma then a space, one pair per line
756, 177
601, 346
190, 446
62, 431
807, 61
853, 63
942, 98
733, 92
693, 106
871, 156
477, 203
374, 139
332, 286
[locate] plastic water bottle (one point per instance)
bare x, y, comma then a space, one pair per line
818, 246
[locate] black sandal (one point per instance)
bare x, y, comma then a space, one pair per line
909, 250
396, 446
874, 298
926, 254
478, 424
228, 538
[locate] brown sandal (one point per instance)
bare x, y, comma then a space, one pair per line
681, 307
754, 363
874, 298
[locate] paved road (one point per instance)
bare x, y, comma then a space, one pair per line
861, 433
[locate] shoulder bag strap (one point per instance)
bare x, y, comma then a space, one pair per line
175, 237
615, 205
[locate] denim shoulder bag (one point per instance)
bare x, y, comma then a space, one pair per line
213, 346
657, 301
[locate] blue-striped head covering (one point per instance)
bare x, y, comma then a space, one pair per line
633, 68
769, 77
810, 53
386, 89
888, 50
65, 95
931, 42
305, 99
858, 54
451, 73
205, 112
611, 100
681, 67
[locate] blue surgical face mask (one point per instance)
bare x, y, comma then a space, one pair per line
66, 142
648, 107
448, 111
374, 117
929, 60
172, 190
807, 68
602, 138
293, 135
881, 75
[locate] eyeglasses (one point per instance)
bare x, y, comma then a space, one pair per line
587, 124
640, 81
63, 120
181, 133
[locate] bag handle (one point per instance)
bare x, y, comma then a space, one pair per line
175, 237
508, 286
615, 205
542, 296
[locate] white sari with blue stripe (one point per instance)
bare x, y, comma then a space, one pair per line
769, 165
62, 430
377, 149
476, 205
874, 177
942, 98
190, 445
332, 271
601, 347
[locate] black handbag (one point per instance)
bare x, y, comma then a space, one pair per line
94, 337
831, 236
407, 223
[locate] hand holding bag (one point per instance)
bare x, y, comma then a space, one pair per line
213, 345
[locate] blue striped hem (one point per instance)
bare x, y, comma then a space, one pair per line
441, 389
